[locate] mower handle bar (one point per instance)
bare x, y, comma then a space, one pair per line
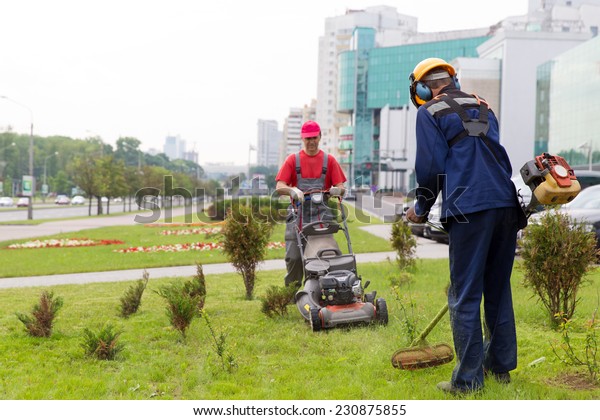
336, 251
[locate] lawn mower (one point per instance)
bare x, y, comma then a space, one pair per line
333, 293
552, 181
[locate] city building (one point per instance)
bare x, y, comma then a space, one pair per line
174, 147
390, 25
268, 143
292, 142
567, 107
191, 155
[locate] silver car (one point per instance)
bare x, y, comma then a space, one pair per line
6, 202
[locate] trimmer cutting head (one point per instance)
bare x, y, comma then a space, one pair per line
420, 357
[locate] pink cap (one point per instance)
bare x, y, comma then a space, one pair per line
310, 129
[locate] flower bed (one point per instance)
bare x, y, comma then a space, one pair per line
183, 224
200, 231
196, 246
64, 243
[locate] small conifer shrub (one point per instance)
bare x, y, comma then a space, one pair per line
41, 321
132, 299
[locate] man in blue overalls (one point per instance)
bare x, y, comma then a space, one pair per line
309, 169
459, 153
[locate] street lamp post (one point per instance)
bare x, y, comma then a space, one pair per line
30, 206
588, 146
45, 185
139, 153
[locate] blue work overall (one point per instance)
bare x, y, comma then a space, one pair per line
482, 249
308, 212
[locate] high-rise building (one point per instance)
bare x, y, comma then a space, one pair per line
567, 110
387, 22
292, 141
269, 139
174, 147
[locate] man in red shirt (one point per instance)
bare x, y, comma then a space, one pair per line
309, 169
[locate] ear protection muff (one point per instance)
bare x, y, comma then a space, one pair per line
421, 93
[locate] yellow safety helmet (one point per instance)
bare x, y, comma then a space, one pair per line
420, 93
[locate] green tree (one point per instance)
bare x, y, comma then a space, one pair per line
83, 172
62, 183
110, 179
128, 150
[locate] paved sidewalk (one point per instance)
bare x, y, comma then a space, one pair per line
16, 231
180, 271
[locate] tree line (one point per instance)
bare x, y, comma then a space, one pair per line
94, 168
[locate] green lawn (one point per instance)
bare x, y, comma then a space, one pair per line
277, 358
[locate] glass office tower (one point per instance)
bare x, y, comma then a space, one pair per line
568, 105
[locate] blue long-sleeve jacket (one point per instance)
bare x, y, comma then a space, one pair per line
470, 177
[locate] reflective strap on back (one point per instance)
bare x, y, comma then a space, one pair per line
472, 127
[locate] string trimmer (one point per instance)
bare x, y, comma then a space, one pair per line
422, 355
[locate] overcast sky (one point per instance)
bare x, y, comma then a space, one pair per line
204, 70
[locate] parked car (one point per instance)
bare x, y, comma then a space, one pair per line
6, 202
77, 200
62, 199
585, 208
434, 229
586, 179
23, 202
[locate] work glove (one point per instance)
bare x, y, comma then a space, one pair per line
412, 216
296, 194
335, 191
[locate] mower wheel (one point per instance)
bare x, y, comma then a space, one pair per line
381, 311
315, 319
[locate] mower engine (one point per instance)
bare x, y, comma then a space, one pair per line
551, 180
340, 287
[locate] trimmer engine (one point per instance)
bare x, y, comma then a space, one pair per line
551, 179
340, 287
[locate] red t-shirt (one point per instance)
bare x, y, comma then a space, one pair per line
311, 167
